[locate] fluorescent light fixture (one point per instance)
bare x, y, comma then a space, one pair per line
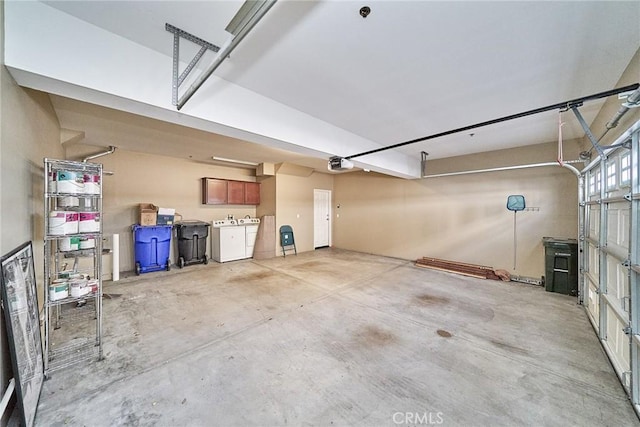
240, 162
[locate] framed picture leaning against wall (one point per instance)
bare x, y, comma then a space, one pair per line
20, 306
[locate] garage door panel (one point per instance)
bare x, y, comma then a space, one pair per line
618, 225
593, 264
617, 279
625, 220
617, 341
593, 303
594, 221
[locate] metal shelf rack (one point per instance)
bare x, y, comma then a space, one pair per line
70, 335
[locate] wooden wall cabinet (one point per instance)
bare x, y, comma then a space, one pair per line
214, 191
227, 192
235, 192
251, 193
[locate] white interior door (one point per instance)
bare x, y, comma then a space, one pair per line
321, 218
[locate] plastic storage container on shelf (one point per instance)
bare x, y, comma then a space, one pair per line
152, 246
192, 242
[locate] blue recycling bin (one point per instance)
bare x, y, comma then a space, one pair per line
152, 246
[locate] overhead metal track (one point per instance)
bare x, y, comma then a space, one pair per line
205, 45
559, 106
566, 165
242, 23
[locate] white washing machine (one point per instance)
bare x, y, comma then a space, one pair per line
251, 226
228, 240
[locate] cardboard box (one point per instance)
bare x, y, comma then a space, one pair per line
148, 214
165, 216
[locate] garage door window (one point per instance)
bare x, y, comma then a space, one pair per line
594, 182
625, 169
612, 176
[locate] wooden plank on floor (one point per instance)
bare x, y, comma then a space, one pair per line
471, 270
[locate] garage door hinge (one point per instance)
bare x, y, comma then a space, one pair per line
583, 204
626, 263
627, 197
627, 330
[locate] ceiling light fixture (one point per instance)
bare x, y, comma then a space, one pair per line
240, 162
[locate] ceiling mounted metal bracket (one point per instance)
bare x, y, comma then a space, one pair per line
423, 163
250, 13
587, 130
632, 99
626, 144
177, 78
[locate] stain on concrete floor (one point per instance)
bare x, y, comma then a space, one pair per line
428, 299
253, 277
509, 347
374, 336
310, 264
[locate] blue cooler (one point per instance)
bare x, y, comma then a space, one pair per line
152, 246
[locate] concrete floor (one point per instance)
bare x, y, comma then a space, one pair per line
337, 338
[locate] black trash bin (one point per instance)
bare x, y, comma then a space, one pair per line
192, 242
561, 265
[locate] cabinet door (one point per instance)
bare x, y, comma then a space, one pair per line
214, 191
235, 192
251, 193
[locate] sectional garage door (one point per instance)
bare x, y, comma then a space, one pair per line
609, 278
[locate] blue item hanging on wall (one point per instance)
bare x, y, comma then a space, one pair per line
515, 203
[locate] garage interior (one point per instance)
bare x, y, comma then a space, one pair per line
439, 111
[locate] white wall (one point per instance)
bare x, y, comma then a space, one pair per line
460, 218
294, 206
29, 132
164, 181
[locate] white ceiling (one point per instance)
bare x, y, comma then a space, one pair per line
410, 69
